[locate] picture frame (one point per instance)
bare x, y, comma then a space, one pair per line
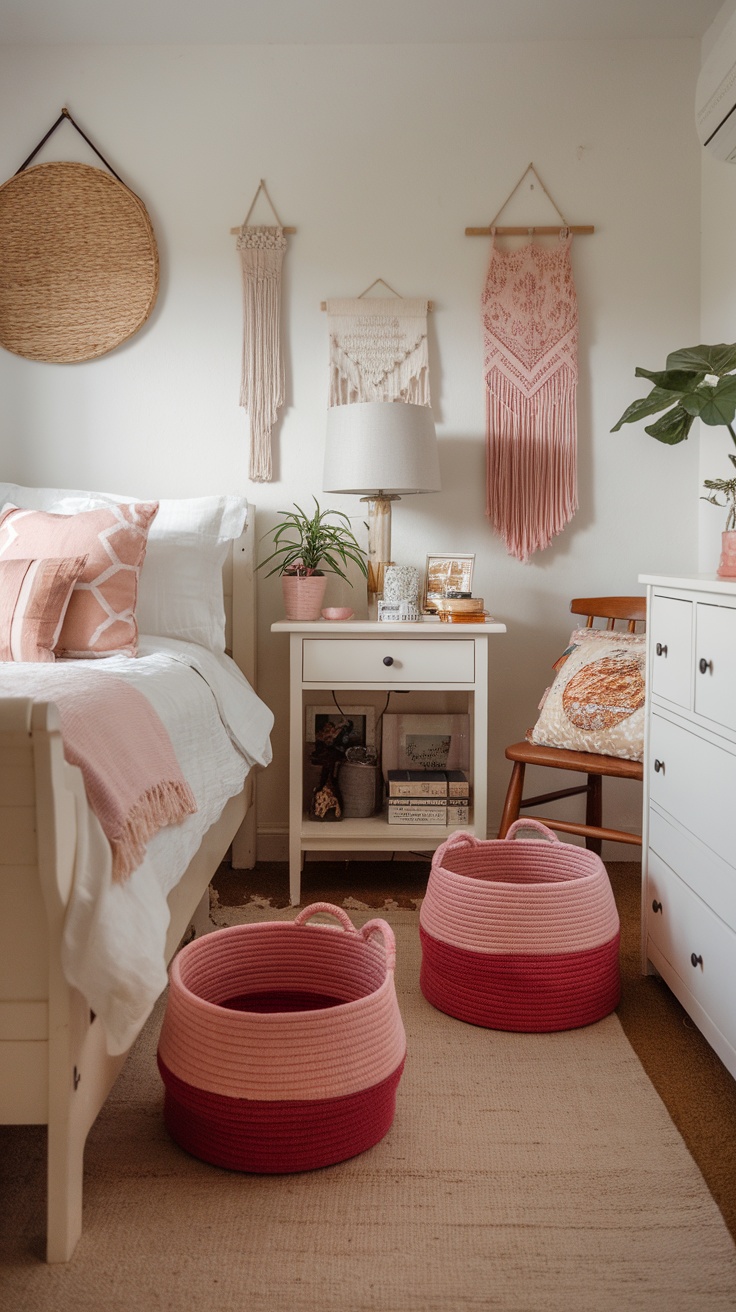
441, 572
425, 742
318, 718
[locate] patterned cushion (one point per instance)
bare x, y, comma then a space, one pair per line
596, 703
34, 595
100, 619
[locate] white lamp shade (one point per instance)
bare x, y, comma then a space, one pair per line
381, 446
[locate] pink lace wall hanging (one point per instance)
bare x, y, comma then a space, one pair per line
530, 329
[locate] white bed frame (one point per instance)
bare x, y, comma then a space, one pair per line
54, 1067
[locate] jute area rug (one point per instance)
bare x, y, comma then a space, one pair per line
527, 1172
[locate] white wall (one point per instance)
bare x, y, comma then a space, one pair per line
380, 156
718, 311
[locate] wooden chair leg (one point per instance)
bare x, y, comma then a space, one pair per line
594, 811
512, 805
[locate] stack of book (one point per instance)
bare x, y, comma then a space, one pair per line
428, 797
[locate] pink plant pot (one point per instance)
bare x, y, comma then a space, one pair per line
727, 563
303, 595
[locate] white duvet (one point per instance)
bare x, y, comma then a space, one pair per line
115, 934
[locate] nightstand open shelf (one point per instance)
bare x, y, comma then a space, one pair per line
437, 667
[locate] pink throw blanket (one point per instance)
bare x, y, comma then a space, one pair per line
110, 730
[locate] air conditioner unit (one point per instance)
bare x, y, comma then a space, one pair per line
715, 96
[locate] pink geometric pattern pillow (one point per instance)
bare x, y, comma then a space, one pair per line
100, 619
34, 595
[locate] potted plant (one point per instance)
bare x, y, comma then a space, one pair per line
305, 549
698, 382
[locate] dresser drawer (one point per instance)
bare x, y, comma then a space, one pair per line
410, 661
695, 781
715, 663
711, 878
696, 943
671, 644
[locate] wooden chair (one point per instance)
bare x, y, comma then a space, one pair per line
633, 611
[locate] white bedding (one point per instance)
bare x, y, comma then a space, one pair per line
114, 934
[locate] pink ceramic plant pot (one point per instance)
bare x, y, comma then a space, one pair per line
303, 595
727, 563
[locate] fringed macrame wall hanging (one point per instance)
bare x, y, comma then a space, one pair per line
530, 327
378, 349
262, 382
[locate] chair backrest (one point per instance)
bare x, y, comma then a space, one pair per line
631, 609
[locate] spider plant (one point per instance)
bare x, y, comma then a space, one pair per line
305, 544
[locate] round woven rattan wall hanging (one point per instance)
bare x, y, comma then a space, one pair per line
78, 263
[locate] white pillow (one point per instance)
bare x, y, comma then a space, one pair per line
180, 588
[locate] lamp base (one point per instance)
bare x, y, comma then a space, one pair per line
379, 544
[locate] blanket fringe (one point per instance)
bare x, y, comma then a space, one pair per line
532, 461
167, 803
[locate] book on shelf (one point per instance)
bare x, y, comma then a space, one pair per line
421, 811
458, 784
418, 784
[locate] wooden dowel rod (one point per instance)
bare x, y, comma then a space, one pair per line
288, 231
430, 304
579, 229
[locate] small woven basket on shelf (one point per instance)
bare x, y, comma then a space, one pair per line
79, 271
282, 1044
518, 934
359, 782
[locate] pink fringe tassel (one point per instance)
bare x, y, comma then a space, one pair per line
531, 446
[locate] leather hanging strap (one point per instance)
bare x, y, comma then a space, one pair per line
66, 115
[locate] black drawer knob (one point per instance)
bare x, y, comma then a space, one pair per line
704, 665
695, 960
659, 767
388, 660
661, 649
656, 906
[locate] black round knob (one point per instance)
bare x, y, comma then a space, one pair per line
661, 649
656, 906
388, 660
695, 960
659, 767
704, 665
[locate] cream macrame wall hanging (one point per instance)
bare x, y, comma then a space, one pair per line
378, 349
530, 329
262, 383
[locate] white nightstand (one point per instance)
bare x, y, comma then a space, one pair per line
435, 666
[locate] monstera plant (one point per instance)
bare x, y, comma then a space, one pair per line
698, 382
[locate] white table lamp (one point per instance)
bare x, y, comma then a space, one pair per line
380, 451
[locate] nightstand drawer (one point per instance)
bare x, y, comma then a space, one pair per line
391, 660
695, 942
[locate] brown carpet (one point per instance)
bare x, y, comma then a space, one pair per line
522, 1172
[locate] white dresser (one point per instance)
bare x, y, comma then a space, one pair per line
689, 867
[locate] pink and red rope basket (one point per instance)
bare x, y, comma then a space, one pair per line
282, 1044
520, 934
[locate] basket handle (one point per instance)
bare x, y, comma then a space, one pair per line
536, 825
460, 838
307, 912
389, 942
